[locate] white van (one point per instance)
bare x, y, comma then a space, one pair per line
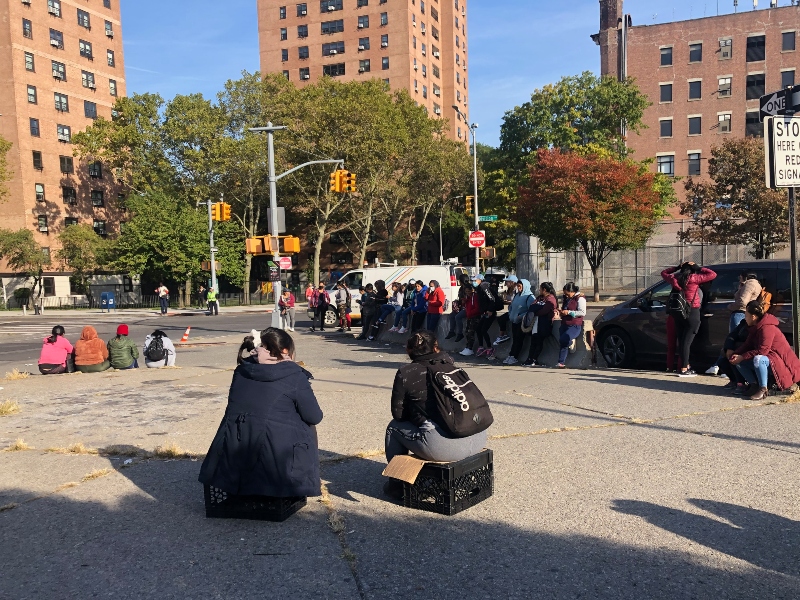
447, 276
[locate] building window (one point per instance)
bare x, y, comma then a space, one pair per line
424, 91
384, 19
29, 64
83, 19
302, 31
282, 12
695, 125
110, 58
86, 49
363, 66
329, 27
302, 52
665, 128
363, 22
666, 165
286, 74
61, 102
284, 34
755, 48
753, 126
385, 63
96, 170
695, 90
385, 40
787, 41
724, 123
333, 48
34, 123
666, 92
694, 164
695, 53
305, 73
755, 86
49, 283
333, 70
39, 187
787, 78
421, 6
437, 72
27, 29
112, 87
69, 195
724, 87
106, 3
64, 133
70, 221
97, 198
302, 10
725, 49
424, 71
59, 70
434, 14
363, 43
330, 5
666, 57
99, 227
32, 94
109, 29
87, 79
424, 50
42, 223
89, 109
66, 165
54, 7
342, 258
361, 3
56, 39
37, 161
284, 55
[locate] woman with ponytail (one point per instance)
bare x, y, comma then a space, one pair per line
266, 444
56, 350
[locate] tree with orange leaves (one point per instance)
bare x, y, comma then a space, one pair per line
597, 202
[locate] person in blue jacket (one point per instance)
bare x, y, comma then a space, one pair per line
266, 444
419, 306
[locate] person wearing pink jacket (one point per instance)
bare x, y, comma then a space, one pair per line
688, 278
55, 352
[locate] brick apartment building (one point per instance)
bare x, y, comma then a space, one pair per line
703, 76
61, 66
419, 45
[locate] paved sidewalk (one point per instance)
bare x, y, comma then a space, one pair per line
609, 484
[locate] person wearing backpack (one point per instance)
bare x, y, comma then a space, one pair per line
544, 309
158, 350
523, 300
490, 301
684, 305
418, 424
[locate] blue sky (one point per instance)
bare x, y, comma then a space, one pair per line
186, 46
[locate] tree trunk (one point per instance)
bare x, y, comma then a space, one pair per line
317, 252
187, 298
596, 284
365, 241
248, 264
181, 290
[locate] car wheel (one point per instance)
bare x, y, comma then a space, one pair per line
331, 318
616, 348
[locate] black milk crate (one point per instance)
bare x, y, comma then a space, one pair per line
449, 488
222, 505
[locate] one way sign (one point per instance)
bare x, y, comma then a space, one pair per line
774, 104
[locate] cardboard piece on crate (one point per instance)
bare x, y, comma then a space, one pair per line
404, 468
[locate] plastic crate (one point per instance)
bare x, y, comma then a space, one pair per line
222, 505
449, 488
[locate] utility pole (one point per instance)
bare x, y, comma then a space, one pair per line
472, 129
211, 245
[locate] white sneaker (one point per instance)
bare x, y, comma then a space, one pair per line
712, 370
466, 352
500, 339
510, 361
393, 330
402, 330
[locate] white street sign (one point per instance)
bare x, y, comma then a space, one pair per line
782, 146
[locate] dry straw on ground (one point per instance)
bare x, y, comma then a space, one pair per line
97, 474
8, 407
18, 446
76, 448
17, 374
9, 506
171, 450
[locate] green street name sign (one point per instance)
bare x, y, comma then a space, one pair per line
487, 218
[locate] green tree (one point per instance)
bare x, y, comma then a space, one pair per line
24, 256
82, 252
5, 172
736, 207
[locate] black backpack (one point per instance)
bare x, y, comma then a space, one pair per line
677, 305
155, 350
461, 405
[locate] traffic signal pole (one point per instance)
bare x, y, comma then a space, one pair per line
211, 245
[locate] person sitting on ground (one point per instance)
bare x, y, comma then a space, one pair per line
737, 337
435, 299
503, 317
544, 309
458, 312
394, 304
416, 424
401, 317
91, 354
122, 351
523, 299
765, 350
572, 313
56, 350
472, 311
266, 444
419, 307
158, 350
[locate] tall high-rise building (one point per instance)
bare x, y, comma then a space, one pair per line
61, 66
419, 45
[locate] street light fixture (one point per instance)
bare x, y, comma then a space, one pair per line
472, 129
441, 214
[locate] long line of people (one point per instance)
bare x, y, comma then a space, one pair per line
90, 354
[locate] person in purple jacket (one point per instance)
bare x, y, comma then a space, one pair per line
688, 277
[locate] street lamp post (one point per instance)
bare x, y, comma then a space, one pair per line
472, 129
441, 215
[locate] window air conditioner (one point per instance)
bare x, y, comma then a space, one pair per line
437, 92
28, 2
303, 13
110, 33
331, 8
57, 74
384, 44
42, 228
55, 43
63, 138
92, 86
334, 52
437, 111
416, 68
436, 54
361, 48
306, 76
361, 26
361, 70
52, 11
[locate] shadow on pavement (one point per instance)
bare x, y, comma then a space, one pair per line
685, 386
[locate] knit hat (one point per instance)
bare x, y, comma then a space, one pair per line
122, 330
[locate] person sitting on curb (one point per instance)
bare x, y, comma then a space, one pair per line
56, 351
544, 309
419, 307
401, 324
393, 305
737, 337
158, 350
122, 351
503, 315
572, 313
458, 314
765, 350
519, 306
91, 354
416, 424
266, 444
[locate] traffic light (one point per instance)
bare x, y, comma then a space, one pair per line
216, 211
291, 245
226, 211
336, 181
348, 182
254, 245
470, 200
488, 253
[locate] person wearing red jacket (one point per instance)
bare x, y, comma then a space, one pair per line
688, 278
435, 299
765, 349
472, 310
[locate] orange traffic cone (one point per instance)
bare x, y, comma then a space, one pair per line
185, 337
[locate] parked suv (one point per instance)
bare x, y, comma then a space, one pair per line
634, 333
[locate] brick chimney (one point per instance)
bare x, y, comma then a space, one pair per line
609, 37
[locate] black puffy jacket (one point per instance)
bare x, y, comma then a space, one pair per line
412, 399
